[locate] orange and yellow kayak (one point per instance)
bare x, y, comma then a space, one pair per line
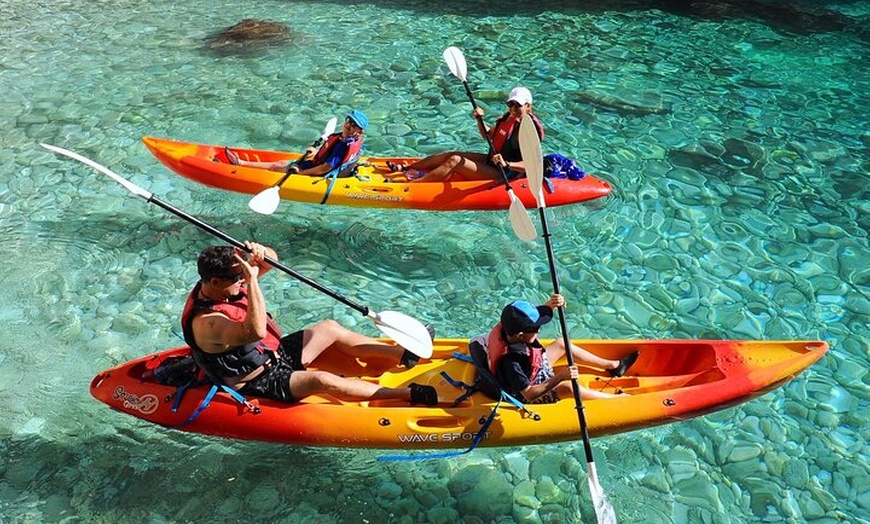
672, 380
207, 165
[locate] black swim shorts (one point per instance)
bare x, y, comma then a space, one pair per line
274, 383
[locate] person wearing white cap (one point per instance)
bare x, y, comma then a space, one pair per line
475, 166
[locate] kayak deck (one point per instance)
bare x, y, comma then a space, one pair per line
672, 380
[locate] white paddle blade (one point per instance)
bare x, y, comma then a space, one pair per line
530, 148
133, 188
603, 509
522, 225
266, 201
330, 128
456, 62
406, 331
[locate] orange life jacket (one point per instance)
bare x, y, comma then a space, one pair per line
354, 146
496, 347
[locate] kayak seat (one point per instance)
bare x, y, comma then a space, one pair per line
345, 170
488, 384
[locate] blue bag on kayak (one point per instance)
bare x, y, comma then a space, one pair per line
558, 166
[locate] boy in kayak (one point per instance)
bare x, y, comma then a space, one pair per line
235, 340
522, 365
476, 166
339, 148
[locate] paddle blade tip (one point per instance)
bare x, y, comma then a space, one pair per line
266, 202
330, 127
456, 62
522, 225
406, 331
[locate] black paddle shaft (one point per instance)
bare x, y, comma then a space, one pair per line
274, 263
504, 177
578, 401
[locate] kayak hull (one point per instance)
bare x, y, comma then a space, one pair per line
672, 380
368, 189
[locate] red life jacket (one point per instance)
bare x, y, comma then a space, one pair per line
238, 360
496, 347
505, 127
354, 146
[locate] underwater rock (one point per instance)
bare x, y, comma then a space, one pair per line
699, 491
547, 464
482, 492
681, 463
656, 479
250, 33
517, 465
741, 153
779, 16
440, 515
548, 492
524, 495
643, 104
525, 515
796, 473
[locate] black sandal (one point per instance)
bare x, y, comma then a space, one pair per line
396, 167
421, 394
624, 364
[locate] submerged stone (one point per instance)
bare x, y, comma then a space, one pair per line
482, 492
248, 34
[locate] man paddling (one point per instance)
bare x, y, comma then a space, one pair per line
236, 341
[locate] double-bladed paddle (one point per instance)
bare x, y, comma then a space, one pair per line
267, 200
406, 331
530, 147
519, 218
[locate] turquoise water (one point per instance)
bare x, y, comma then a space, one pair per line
738, 147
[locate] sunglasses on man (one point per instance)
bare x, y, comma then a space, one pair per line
235, 277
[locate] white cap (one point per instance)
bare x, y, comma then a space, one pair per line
520, 95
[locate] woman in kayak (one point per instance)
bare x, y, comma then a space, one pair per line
339, 149
522, 365
236, 342
505, 151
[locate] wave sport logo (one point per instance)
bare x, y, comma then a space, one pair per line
146, 404
384, 198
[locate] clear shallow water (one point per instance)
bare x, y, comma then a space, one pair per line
738, 147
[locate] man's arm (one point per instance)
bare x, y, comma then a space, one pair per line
214, 332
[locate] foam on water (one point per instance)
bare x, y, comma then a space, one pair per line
736, 141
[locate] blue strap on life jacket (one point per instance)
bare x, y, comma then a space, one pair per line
332, 176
